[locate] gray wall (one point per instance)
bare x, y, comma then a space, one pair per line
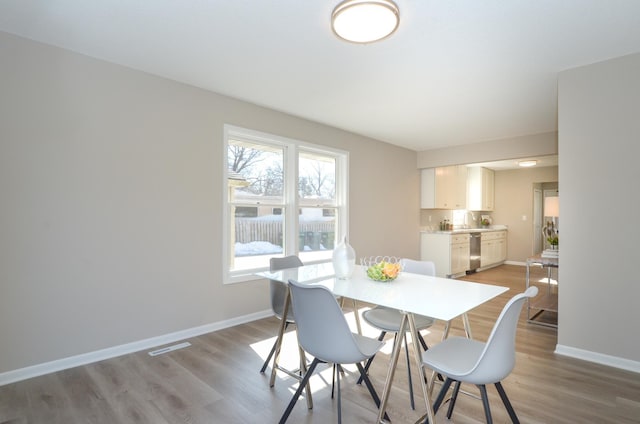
110, 180
599, 131
543, 144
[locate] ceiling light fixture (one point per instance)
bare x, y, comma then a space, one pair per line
362, 21
527, 163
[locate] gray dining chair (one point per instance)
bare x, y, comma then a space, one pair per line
387, 320
463, 360
324, 333
277, 293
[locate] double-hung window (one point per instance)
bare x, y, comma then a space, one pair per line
282, 197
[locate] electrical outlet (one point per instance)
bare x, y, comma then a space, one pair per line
524, 217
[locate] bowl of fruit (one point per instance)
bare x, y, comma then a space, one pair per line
382, 268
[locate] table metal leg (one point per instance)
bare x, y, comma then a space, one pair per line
467, 326
276, 356
418, 359
283, 322
392, 370
357, 315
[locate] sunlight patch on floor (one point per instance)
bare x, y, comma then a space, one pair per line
544, 280
289, 357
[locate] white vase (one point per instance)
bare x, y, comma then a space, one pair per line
344, 259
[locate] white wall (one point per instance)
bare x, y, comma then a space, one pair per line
599, 135
110, 181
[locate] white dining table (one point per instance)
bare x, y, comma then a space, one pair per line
441, 298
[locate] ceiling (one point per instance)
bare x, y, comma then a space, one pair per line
456, 71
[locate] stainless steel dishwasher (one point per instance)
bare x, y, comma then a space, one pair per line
474, 252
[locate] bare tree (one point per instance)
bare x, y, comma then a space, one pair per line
317, 179
264, 174
242, 158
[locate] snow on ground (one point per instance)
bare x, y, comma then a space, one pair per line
256, 248
262, 248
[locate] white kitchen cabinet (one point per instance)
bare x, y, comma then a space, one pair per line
449, 252
428, 188
480, 189
444, 187
493, 248
460, 254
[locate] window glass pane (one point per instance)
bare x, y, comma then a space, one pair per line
257, 238
316, 233
316, 178
246, 211
256, 187
259, 168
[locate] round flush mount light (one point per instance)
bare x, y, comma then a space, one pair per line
527, 163
362, 21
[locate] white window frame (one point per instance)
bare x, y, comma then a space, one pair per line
291, 202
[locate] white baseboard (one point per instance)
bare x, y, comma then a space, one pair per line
112, 352
515, 263
598, 358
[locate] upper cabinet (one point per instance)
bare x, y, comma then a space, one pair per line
458, 187
480, 189
444, 187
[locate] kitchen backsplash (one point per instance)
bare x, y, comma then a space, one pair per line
430, 218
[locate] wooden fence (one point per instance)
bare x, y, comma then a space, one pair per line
315, 235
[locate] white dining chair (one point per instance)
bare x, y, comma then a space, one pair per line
387, 320
463, 360
324, 333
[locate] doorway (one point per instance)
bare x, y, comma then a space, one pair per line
540, 191
538, 244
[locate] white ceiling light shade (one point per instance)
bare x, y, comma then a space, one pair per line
365, 21
528, 163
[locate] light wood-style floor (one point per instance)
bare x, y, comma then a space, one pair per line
217, 380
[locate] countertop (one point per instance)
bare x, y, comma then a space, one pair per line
465, 230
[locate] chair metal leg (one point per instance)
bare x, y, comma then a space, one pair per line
273, 350
372, 390
266, 362
422, 342
406, 350
303, 370
339, 396
454, 397
441, 395
301, 387
370, 360
333, 379
507, 404
485, 403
